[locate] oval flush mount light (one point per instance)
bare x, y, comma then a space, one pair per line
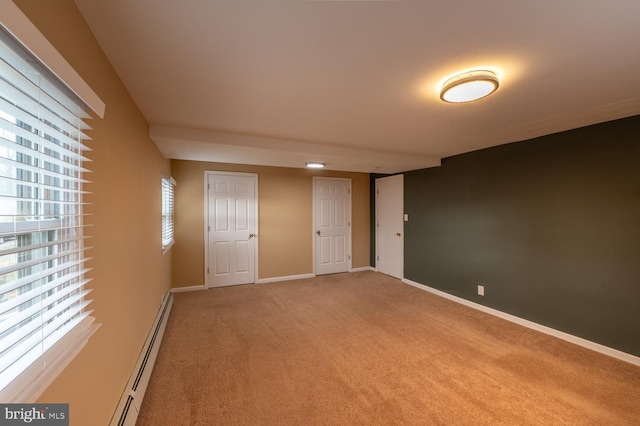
315, 164
469, 86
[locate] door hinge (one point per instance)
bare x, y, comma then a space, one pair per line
348, 223
349, 257
349, 191
377, 224
207, 270
377, 257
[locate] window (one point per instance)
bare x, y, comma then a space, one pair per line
168, 189
42, 274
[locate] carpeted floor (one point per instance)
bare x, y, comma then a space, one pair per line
366, 349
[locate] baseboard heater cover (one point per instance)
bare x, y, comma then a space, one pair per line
128, 408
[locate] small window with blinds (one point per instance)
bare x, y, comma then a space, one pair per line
42, 243
168, 205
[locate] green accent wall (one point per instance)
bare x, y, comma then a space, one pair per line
550, 226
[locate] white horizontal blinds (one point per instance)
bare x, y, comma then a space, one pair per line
42, 294
168, 185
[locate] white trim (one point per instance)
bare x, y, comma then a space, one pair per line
285, 278
623, 356
186, 289
20, 27
362, 269
168, 246
204, 227
207, 173
313, 224
32, 382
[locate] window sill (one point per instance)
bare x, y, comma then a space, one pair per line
167, 247
28, 386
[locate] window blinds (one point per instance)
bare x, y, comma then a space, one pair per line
168, 185
42, 294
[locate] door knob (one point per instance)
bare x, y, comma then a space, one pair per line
398, 234
318, 232
252, 235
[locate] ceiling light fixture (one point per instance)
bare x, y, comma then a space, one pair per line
469, 86
315, 164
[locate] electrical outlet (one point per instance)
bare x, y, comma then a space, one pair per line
481, 290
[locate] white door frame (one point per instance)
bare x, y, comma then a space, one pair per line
208, 173
397, 225
313, 221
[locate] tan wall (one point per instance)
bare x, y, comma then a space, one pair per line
285, 198
130, 273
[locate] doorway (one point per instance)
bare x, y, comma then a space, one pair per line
231, 228
332, 225
390, 226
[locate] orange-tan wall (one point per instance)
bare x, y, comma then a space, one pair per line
130, 273
285, 219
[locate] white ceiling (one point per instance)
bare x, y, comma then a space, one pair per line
355, 83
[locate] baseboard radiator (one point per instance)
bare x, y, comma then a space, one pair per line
128, 408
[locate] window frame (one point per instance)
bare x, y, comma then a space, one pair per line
33, 380
168, 213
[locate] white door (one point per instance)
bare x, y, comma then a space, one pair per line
390, 225
332, 213
231, 228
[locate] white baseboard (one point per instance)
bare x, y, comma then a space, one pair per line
362, 269
285, 278
271, 280
623, 356
305, 276
190, 288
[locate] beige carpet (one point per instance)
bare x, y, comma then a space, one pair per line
366, 349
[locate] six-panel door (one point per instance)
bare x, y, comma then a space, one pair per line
333, 223
231, 229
